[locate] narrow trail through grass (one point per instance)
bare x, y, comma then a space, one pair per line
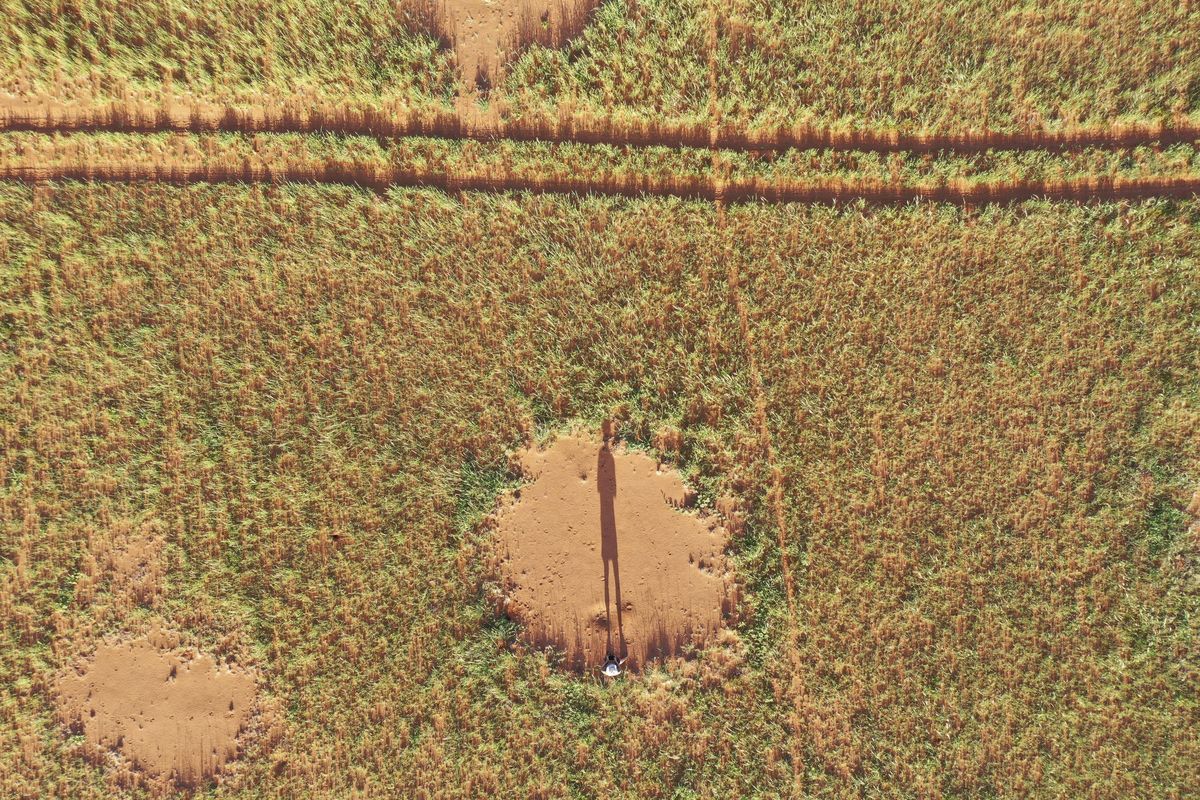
766, 443
767, 447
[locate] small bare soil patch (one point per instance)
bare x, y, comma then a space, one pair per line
170, 714
485, 33
600, 558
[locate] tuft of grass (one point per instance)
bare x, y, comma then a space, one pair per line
1164, 524
479, 488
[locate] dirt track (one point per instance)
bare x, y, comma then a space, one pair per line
299, 117
819, 192
294, 117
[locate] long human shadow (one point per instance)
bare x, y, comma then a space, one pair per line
606, 485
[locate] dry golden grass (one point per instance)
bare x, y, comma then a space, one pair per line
878, 67
311, 392
985, 424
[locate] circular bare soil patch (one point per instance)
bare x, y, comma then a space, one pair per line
169, 714
599, 557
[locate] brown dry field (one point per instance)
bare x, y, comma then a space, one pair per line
955, 452
376, 371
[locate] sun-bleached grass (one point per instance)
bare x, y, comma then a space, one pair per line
986, 426
983, 420
880, 67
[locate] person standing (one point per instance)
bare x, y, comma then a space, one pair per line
612, 667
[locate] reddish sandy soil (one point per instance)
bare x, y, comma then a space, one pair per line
600, 558
484, 31
169, 714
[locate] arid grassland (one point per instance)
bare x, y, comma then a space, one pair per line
340, 342
972, 435
882, 64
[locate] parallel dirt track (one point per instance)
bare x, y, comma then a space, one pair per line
137, 117
817, 192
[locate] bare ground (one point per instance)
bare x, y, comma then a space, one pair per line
601, 558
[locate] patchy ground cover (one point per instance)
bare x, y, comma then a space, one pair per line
311, 396
275, 420
945, 532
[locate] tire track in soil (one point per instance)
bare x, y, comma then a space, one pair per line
713, 188
766, 442
159, 116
